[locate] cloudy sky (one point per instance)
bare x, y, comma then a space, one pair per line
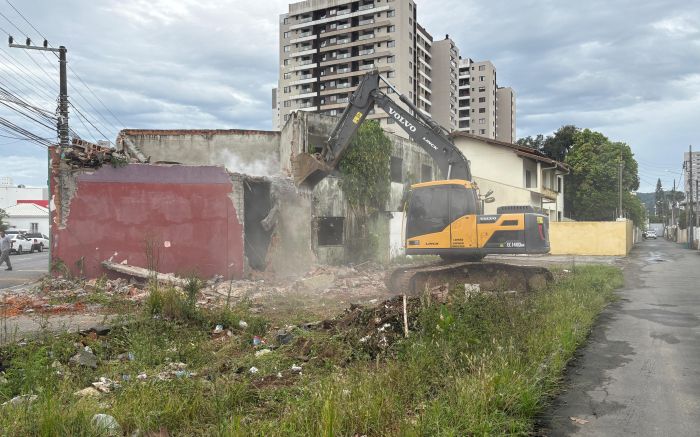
628, 68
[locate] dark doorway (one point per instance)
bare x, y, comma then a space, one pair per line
257, 205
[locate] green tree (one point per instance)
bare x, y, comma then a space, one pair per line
536, 143
558, 145
3, 218
366, 185
660, 201
593, 192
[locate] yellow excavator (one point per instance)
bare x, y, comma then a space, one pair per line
443, 217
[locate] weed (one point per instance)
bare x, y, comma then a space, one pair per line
479, 365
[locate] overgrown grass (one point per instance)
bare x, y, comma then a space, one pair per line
482, 366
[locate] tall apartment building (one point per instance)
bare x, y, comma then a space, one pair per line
445, 83
484, 108
326, 46
505, 114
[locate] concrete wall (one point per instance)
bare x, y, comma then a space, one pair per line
186, 213
249, 152
591, 238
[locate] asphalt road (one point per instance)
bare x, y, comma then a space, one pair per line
640, 372
25, 268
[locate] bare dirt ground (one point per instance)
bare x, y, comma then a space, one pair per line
62, 304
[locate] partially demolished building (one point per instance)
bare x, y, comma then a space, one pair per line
212, 202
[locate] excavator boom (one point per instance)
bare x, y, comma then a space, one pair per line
309, 169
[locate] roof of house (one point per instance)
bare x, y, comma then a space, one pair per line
525, 152
44, 203
26, 210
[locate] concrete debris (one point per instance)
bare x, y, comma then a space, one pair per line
284, 336
62, 296
84, 358
316, 283
262, 352
128, 356
175, 370
20, 400
106, 424
296, 369
105, 385
83, 154
143, 273
88, 392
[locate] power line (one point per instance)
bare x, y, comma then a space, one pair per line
79, 110
27, 21
69, 67
13, 24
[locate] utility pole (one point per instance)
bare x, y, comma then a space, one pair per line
690, 197
620, 186
673, 203
63, 87
62, 125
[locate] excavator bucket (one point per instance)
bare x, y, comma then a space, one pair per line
308, 170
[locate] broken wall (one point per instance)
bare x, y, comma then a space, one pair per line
306, 132
182, 219
251, 152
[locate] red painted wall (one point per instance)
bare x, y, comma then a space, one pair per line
186, 211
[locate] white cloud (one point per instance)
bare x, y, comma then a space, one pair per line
628, 69
28, 170
677, 26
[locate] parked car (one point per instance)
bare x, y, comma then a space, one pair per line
650, 235
19, 244
39, 241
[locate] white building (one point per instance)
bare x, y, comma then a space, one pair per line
517, 175
10, 194
28, 217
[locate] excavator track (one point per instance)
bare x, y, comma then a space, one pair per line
491, 276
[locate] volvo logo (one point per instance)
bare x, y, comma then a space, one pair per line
400, 118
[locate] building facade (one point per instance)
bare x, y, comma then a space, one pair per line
445, 83
11, 195
326, 46
516, 175
505, 114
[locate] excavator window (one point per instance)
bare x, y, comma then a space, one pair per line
462, 202
427, 211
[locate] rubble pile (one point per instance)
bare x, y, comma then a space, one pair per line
61, 296
84, 154
364, 283
377, 328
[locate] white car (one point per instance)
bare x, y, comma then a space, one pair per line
39, 241
19, 244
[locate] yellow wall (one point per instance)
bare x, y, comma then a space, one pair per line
591, 238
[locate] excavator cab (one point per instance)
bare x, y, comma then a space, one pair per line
442, 215
444, 218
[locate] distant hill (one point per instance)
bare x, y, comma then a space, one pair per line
648, 200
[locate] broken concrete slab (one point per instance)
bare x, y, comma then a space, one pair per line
84, 358
142, 273
316, 283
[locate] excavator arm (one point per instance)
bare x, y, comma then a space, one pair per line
310, 170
